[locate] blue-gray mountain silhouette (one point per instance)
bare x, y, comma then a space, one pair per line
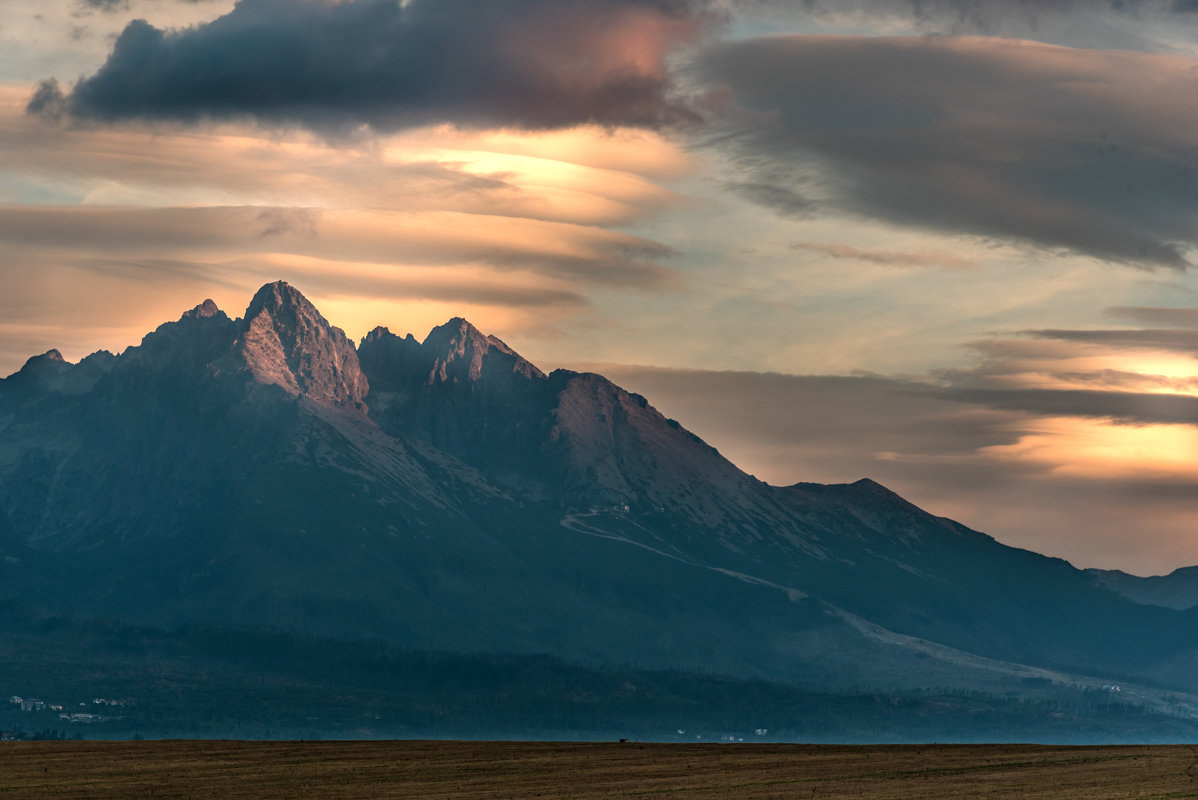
447, 494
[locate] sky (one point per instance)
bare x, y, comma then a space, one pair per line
946, 244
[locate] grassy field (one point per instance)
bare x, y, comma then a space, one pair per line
511, 770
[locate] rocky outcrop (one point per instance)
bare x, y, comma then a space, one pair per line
460, 353
285, 341
204, 310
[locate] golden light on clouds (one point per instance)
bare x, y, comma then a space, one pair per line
1089, 448
589, 175
415, 299
515, 229
1065, 364
858, 204
619, 149
1087, 444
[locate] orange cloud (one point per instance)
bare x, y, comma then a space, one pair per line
514, 228
1087, 448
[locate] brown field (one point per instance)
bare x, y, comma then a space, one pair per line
510, 770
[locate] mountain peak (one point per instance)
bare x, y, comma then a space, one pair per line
51, 356
276, 297
205, 310
460, 352
288, 343
379, 333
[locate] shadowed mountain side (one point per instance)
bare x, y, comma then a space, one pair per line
618, 469
1178, 589
448, 494
575, 440
49, 374
200, 682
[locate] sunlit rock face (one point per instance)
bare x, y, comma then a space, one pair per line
460, 352
286, 342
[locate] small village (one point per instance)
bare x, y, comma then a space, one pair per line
99, 709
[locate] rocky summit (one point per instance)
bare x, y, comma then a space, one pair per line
263, 473
286, 342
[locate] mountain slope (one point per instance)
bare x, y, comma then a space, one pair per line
1178, 589
616, 468
448, 494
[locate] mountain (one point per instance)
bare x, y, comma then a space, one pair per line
263, 473
1178, 589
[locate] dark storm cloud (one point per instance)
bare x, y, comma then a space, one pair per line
1069, 150
531, 64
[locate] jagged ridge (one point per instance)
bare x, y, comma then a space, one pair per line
447, 493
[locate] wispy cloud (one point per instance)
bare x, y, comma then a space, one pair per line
942, 259
515, 229
1062, 149
1022, 466
1172, 340
1171, 317
1098, 24
581, 254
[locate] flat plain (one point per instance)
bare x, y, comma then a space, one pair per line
517, 770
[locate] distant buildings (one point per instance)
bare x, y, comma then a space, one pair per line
28, 704
34, 704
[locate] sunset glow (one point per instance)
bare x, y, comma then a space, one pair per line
986, 218
1076, 448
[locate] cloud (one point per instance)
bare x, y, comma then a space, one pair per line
781, 199
580, 254
1179, 341
1058, 443
509, 228
82, 303
887, 258
1102, 24
335, 66
105, 5
47, 100
1175, 317
588, 175
123, 5
1125, 407
1059, 485
1133, 377
1089, 152
789, 428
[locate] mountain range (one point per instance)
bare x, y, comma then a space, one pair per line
264, 474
